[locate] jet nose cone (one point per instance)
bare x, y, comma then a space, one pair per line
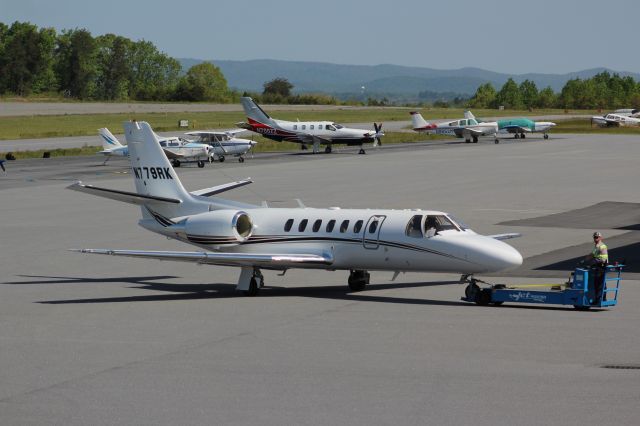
506, 258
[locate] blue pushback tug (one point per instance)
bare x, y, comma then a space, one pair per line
579, 291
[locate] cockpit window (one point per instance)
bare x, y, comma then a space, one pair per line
330, 127
436, 223
338, 126
457, 221
414, 227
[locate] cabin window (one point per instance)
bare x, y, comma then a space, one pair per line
288, 225
295, 127
330, 225
311, 127
357, 227
414, 227
435, 224
373, 226
344, 226
303, 225
316, 225
163, 143
304, 126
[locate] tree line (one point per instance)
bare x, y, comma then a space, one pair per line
602, 91
108, 67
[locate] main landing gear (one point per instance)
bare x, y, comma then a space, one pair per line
251, 281
546, 136
327, 150
362, 151
473, 292
358, 279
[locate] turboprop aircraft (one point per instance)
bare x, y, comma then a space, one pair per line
519, 126
615, 120
313, 133
224, 144
467, 128
175, 148
252, 237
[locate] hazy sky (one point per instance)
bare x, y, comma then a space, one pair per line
511, 36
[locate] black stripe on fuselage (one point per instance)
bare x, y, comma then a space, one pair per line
201, 239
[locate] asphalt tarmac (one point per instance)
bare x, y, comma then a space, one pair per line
114, 341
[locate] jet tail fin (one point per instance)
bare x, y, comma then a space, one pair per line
108, 140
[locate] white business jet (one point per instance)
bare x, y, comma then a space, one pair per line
467, 128
313, 133
224, 144
175, 148
252, 237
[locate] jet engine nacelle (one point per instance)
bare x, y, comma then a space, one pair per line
217, 227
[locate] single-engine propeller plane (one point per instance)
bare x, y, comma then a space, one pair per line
253, 237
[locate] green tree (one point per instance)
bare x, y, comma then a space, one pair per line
76, 63
154, 75
485, 97
509, 95
203, 82
26, 58
112, 81
546, 98
529, 93
278, 87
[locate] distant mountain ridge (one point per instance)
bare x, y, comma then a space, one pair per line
378, 79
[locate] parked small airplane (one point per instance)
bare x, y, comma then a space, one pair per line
224, 143
313, 133
111, 146
519, 126
175, 148
467, 128
252, 237
615, 120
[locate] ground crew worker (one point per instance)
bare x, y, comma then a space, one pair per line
598, 259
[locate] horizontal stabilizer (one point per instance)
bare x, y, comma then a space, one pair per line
276, 261
124, 196
208, 192
505, 236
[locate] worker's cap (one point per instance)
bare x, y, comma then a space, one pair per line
597, 234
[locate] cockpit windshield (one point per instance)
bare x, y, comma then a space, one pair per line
438, 223
463, 226
338, 126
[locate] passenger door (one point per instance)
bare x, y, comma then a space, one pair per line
371, 234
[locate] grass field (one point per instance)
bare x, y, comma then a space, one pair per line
43, 126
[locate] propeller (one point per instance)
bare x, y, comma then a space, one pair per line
378, 135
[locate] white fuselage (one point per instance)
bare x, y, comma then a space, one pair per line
393, 240
223, 144
185, 148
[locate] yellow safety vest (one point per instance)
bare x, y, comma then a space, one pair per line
598, 256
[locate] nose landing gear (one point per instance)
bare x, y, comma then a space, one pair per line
358, 279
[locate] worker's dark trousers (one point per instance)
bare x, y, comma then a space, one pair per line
598, 282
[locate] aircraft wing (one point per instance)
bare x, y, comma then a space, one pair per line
231, 132
505, 236
515, 129
208, 192
312, 139
172, 155
275, 261
467, 132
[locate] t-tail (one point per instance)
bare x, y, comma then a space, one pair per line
419, 123
255, 114
108, 140
159, 192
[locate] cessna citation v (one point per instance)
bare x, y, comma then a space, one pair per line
306, 132
252, 237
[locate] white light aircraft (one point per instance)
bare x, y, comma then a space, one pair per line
615, 120
111, 146
175, 148
224, 144
313, 133
252, 237
467, 128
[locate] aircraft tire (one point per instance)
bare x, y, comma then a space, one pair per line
483, 298
546, 136
496, 140
221, 159
522, 136
467, 140
362, 151
516, 136
176, 163
200, 163
358, 280
475, 139
327, 150
471, 291
241, 160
